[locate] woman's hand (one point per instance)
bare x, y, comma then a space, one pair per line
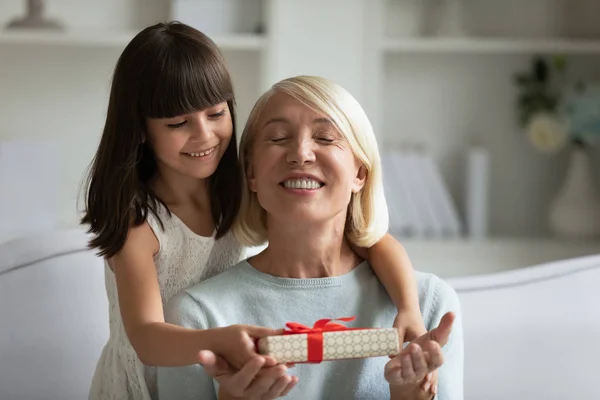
236, 343
260, 378
410, 325
410, 373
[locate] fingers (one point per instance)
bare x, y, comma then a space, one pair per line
281, 387
393, 371
401, 336
418, 362
433, 355
399, 370
442, 332
258, 332
208, 359
289, 387
266, 380
413, 364
426, 384
277, 388
241, 380
269, 361
407, 371
254, 380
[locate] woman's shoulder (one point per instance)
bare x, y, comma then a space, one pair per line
436, 294
214, 286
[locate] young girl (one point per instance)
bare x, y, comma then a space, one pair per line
163, 191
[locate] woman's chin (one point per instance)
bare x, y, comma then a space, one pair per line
303, 217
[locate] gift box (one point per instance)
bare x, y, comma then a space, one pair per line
328, 340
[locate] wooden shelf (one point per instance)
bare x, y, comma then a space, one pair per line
248, 42
489, 46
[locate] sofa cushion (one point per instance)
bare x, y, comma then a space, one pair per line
532, 333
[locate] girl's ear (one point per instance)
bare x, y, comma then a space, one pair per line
359, 180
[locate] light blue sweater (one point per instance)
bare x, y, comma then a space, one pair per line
243, 295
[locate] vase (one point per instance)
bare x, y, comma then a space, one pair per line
575, 212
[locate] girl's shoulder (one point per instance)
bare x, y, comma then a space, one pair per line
159, 218
227, 251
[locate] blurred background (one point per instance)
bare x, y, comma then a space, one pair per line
487, 114
475, 104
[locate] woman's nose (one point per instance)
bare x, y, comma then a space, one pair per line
300, 152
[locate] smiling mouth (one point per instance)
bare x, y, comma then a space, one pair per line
307, 184
202, 153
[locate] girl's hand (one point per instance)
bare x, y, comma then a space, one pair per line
236, 343
410, 324
260, 378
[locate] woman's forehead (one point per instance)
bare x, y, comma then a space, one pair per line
282, 107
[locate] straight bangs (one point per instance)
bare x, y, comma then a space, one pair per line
185, 77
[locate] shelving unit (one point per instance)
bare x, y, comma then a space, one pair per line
444, 93
483, 46
98, 38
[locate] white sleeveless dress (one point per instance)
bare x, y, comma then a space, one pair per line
183, 260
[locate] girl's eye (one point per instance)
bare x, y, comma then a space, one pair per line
178, 125
217, 115
325, 139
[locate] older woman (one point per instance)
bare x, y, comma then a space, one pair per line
313, 187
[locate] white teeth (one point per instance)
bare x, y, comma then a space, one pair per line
202, 153
302, 184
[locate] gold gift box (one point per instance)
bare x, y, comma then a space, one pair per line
337, 345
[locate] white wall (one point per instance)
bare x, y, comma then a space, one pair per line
317, 38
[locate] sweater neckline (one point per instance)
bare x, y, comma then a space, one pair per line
305, 283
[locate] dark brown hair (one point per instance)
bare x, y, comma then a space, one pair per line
167, 70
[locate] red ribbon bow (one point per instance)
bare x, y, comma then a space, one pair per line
315, 334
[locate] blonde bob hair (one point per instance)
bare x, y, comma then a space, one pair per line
367, 219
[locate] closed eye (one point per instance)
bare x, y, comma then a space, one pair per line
217, 115
325, 139
178, 125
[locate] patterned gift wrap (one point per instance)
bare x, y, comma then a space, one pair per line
329, 341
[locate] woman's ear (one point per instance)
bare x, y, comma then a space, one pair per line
250, 177
359, 180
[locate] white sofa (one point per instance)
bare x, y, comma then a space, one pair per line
533, 333
529, 334
53, 316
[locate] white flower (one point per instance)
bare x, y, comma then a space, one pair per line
547, 132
